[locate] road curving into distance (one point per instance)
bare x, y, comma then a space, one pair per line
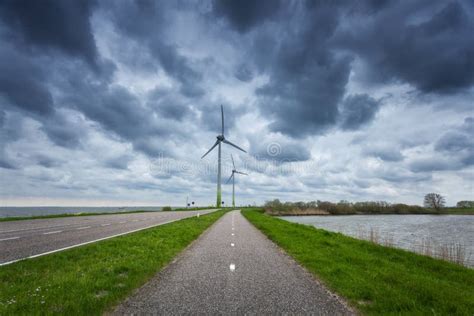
36, 237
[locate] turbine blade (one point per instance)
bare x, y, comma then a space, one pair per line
216, 143
241, 173
232, 160
234, 145
222, 115
230, 178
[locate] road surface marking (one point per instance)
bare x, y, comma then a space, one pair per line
85, 227
122, 222
232, 244
233, 234
108, 224
10, 238
232, 228
53, 232
34, 228
90, 242
232, 267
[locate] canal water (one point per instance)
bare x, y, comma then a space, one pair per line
427, 234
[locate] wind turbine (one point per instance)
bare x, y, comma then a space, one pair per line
220, 139
232, 176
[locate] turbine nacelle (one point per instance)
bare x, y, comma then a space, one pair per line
234, 171
221, 138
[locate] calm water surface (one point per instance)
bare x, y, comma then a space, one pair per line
410, 232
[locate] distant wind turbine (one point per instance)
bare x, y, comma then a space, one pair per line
220, 139
234, 171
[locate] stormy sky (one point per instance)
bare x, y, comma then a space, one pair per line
114, 102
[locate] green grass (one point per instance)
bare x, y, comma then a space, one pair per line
91, 279
457, 211
195, 208
20, 218
374, 279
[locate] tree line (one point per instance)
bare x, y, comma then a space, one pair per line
433, 202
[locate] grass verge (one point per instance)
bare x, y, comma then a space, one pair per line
90, 279
457, 211
373, 278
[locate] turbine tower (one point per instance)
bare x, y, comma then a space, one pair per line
232, 176
220, 139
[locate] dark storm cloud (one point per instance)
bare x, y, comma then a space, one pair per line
120, 112
279, 151
119, 162
306, 80
144, 22
455, 150
10, 131
60, 25
5, 164
403, 176
168, 104
46, 161
433, 164
244, 73
357, 110
245, 14
23, 83
428, 45
459, 143
454, 142
385, 153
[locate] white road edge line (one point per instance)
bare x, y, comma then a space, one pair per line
10, 238
96, 240
53, 232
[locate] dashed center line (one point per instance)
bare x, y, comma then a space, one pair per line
10, 238
85, 227
232, 244
53, 232
122, 222
107, 224
232, 267
233, 234
135, 220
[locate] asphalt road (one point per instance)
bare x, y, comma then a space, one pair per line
233, 269
25, 238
